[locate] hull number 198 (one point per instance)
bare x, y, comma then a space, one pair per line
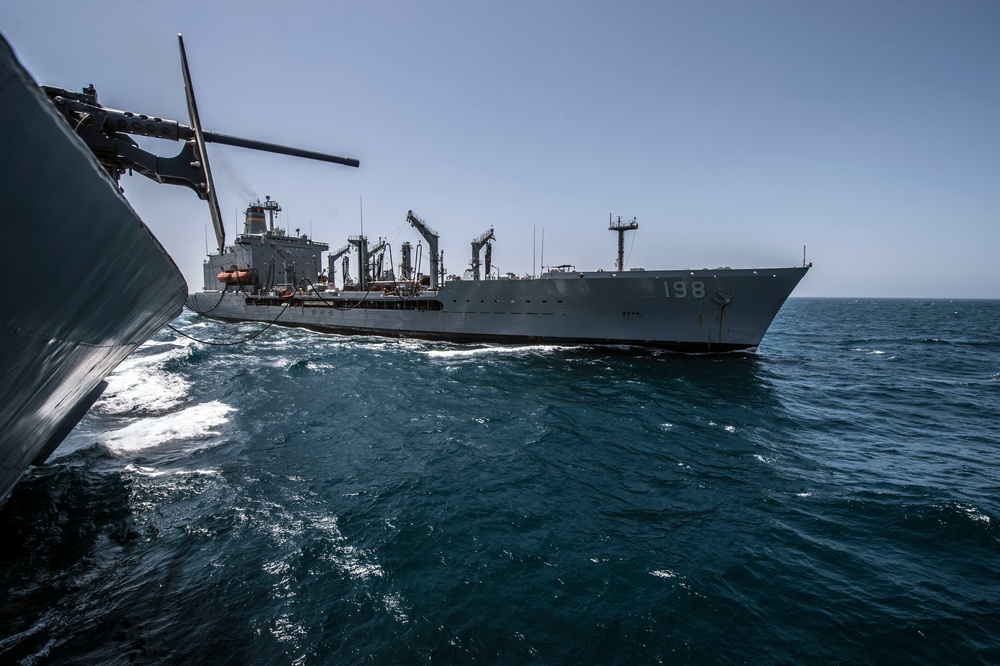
681, 289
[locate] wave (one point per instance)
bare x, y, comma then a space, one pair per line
500, 350
142, 384
194, 423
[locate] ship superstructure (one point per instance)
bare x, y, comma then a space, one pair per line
265, 256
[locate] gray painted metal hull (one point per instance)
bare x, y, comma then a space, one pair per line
91, 283
688, 311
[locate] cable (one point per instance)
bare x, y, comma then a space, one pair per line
229, 344
630, 251
395, 285
330, 304
189, 306
324, 301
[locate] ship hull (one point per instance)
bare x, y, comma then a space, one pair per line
704, 311
116, 285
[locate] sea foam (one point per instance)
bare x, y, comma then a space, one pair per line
193, 423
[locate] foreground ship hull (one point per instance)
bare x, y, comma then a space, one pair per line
703, 311
95, 282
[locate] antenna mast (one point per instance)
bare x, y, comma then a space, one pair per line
621, 228
271, 207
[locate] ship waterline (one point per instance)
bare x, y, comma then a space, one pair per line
702, 311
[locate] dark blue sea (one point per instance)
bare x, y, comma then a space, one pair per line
315, 499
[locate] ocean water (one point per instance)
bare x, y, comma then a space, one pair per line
316, 499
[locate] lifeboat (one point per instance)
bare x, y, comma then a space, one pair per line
235, 276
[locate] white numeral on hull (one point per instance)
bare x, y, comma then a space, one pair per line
682, 290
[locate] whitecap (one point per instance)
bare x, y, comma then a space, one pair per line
193, 423
973, 513
153, 473
141, 383
504, 350
664, 573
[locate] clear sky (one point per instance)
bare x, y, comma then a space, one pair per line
736, 132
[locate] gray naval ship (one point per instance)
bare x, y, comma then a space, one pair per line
269, 276
94, 283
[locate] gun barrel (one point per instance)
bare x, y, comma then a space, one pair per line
213, 137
